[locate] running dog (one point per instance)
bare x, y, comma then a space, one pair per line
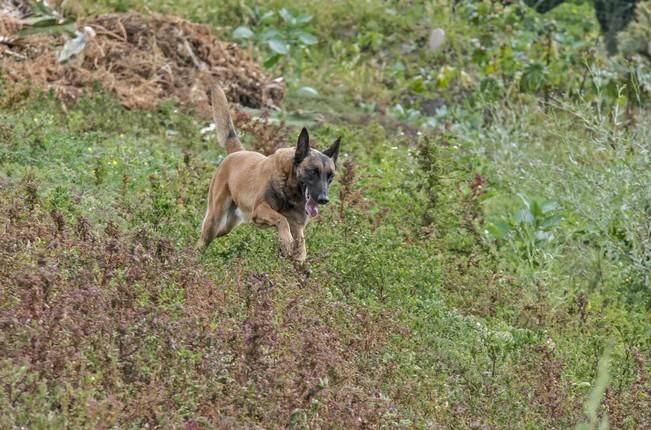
283, 190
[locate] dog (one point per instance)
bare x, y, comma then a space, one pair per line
283, 190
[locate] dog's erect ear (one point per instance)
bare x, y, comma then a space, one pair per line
333, 151
302, 147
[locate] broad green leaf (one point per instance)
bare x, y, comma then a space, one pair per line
278, 46
399, 109
266, 16
551, 221
499, 230
54, 29
48, 21
524, 199
287, 16
242, 32
303, 19
272, 60
535, 209
413, 115
549, 206
308, 91
523, 216
40, 21
269, 34
431, 122
307, 38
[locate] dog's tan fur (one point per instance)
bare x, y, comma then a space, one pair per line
268, 191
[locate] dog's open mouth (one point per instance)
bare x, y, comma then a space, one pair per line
311, 206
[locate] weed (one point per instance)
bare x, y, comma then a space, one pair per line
348, 196
262, 135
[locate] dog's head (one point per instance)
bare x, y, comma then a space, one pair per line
314, 171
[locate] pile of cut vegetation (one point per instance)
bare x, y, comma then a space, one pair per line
141, 60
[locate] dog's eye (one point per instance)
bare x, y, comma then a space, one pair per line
331, 176
314, 172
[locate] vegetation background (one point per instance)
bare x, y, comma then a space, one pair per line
484, 263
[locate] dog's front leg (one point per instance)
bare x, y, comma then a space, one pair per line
299, 242
263, 214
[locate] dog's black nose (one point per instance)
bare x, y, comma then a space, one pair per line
323, 199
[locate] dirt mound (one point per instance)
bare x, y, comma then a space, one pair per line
142, 60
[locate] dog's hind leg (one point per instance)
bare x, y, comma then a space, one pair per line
220, 217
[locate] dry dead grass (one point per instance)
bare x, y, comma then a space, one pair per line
141, 60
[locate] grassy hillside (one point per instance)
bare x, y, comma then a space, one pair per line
484, 262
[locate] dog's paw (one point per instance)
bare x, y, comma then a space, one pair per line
286, 250
305, 268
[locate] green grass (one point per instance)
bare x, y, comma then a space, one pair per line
440, 298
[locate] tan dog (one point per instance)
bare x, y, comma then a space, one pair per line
283, 190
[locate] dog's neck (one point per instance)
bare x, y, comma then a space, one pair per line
294, 188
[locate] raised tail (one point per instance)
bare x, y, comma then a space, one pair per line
226, 134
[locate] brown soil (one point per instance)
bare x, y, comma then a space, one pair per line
141, 60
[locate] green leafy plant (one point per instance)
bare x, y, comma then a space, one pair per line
528, 230
289, 40
515, 48
47, 20
534, 77
409, 115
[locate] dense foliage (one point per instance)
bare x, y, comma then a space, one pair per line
485, 260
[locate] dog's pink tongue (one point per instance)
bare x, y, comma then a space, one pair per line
311, 207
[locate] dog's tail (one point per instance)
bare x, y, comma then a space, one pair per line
226, 134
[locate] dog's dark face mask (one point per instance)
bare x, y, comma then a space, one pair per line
315, 171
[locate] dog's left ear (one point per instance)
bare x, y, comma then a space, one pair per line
302, 147
333, 151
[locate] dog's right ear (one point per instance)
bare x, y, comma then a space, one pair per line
302, 147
